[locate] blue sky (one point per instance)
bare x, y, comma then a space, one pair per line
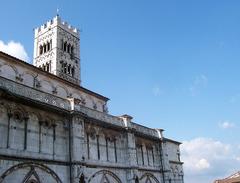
170, 64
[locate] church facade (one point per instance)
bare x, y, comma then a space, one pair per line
53, 130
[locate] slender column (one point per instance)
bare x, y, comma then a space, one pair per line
98, 149
142, 154
8, 129
88, 150
25, 132
40, 136
148, 157
115, 150
107, 148
54, 137
137, 154
153, 156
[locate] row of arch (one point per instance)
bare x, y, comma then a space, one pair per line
32, 131
19, 113
32, 80
46, 66
67, 47
45, 47
67, 69
145, 155
105, 175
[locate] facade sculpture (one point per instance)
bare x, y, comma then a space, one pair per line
53, 130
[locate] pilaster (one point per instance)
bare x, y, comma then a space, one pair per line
131, 149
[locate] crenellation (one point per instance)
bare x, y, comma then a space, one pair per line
56, 21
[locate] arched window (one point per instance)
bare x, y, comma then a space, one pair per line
44, 67
65, 68
62, 66
48, 46
62, 44
69, 69
68, 48
41, 50
72, 52
47, 67
73, 71
65, 46
44, 48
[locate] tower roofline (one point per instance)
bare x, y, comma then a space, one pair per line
57, 21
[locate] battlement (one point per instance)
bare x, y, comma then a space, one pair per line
56, 21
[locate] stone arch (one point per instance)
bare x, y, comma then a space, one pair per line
48, 121
47, 135
91, 131
30, 165
37, 114
8, 107
28, 78
47, 86
8, 71
21, 109
17, 122
62, 91
150, 177
80, 97
61, 130
76, 95
33, 129
104, 173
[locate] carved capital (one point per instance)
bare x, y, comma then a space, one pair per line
10, 114
40, 123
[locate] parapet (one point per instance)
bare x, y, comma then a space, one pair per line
56, 21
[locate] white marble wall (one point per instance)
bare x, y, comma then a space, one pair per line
31, 77
104, 148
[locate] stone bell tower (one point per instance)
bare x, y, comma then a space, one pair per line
57, 49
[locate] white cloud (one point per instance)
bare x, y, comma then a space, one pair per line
226, 125
198, 83
206, 160
202, 164
15, 49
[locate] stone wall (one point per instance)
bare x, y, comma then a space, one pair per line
50, 138
28, 75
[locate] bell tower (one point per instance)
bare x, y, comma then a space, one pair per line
57, 49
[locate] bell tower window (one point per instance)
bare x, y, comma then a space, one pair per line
44, 48
58, 42
69, 69
65, 46
68, 48
41, 50
73, 71
48, 46
65, 68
